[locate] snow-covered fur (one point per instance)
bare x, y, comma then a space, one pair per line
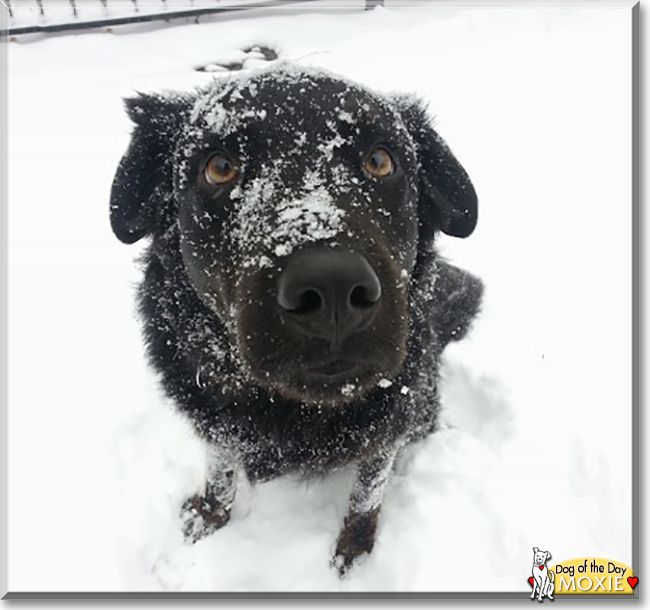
297, 142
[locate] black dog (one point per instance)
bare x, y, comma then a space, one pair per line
293, 299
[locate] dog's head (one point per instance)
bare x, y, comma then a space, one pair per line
298, 204
540, 557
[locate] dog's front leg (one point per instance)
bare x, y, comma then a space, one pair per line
542, 588
206, 512
358, 534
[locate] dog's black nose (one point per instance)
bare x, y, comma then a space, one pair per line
329, 294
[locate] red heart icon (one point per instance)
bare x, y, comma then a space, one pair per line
541, 567
531, 581
632, 581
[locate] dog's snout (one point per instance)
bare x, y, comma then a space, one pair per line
329, 293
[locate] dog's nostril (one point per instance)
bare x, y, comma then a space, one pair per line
363, 297
310, 302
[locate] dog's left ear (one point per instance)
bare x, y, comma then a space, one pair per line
548, 555
448, 200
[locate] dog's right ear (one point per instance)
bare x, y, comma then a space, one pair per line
535, 549
146, 165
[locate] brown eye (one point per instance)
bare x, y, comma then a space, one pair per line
379, 163
220, 170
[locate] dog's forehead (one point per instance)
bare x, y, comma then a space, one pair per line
292, 100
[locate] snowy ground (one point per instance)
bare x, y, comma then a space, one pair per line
536, 444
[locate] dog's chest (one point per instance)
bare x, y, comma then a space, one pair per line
278, 438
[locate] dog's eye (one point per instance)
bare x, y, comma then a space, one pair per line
220, 170
379, 163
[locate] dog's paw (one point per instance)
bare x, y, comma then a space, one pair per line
202, 516
356, 539
342, 563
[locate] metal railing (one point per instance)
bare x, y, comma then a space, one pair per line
42, 16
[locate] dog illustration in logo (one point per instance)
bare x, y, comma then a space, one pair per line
544, 579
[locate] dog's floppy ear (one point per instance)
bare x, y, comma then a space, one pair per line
448, 200
548, 555
146, 164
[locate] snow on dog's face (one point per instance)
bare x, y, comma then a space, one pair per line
296, 201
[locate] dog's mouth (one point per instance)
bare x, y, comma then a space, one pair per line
334, 370
330, 381
336, 377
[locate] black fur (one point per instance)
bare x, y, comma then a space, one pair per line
211, 323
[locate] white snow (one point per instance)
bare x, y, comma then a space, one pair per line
535, 444
307, 215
